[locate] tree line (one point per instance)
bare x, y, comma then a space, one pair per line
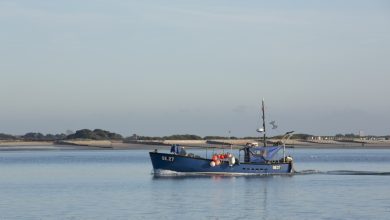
100, 134
97, 134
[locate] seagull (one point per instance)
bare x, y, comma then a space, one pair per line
274, 126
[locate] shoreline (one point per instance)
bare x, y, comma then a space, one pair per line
119, 145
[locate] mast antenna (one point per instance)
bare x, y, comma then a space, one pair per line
262, 109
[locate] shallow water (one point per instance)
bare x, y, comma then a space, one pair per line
104, 184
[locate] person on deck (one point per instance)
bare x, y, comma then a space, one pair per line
183, 152
173, 148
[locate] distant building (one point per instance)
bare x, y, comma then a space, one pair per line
313, 138
345, 138
134, 137
320, 138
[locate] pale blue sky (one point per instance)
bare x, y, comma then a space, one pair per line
199, 67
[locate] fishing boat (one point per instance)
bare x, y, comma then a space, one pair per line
251, 159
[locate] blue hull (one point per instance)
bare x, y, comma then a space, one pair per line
185, 164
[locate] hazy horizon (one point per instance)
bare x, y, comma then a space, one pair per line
196, 67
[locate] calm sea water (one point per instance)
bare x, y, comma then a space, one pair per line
118, 185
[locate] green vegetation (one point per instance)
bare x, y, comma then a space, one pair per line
97, 134
351, 135
300, 136
32, 136
6, 137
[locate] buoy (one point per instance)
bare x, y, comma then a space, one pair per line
222, 157
215, 158
218, 162
212, 164
232, 160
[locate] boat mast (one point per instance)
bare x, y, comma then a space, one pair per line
262, 109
